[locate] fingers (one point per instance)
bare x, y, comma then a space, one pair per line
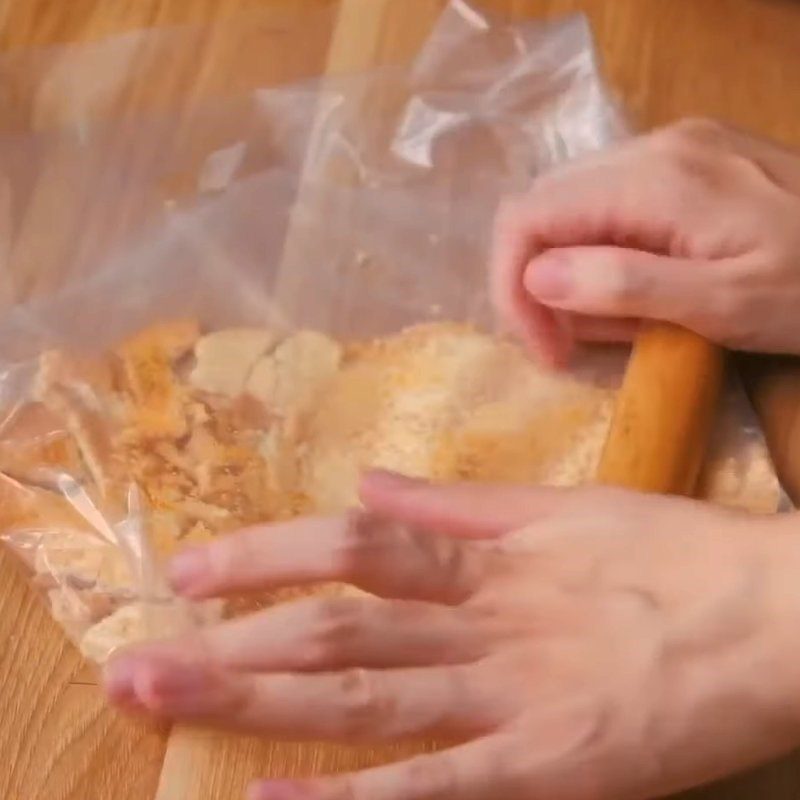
536, 325
630, 196
334, 633
465, 509
568, 207
353, 705
364, 549
624, 283
484, 511
468, 772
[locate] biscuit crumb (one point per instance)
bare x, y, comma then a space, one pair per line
174, 439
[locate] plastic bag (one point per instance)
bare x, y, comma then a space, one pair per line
289, 226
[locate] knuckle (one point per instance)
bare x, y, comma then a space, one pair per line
361, 536
460, 567
337, 623
455, 565
689, 147
698, 129
691, 136
365, 705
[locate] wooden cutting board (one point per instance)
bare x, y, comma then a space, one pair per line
669, 59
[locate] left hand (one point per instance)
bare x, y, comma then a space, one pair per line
616, 647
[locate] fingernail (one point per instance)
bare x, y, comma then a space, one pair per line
277, 790
177, 688
188, 569
118, 679
549, 278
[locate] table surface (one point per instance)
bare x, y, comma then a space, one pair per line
734, 59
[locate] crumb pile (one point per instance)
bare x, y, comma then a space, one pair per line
175, 437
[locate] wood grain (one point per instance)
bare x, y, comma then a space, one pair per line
58, 739
736, 59
202, 764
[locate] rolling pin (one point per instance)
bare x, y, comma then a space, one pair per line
664, 413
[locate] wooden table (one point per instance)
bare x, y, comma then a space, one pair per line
736, 59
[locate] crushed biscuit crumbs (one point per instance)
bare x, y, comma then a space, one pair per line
240, 427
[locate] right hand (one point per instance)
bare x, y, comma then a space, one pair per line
586, 644
695, 224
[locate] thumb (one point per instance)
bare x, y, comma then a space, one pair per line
624, 283
468, 510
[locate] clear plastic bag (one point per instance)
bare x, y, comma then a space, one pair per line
310, 217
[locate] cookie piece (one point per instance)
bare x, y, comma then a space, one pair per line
288, 379
225, 359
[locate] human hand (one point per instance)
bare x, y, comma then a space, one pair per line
617, 647
695, 224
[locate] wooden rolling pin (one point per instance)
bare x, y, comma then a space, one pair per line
663, 419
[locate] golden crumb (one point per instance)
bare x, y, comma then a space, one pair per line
290, 378
174, 439
449, 403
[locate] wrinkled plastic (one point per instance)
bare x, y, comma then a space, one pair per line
355, 205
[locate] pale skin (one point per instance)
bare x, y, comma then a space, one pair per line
585, 644
695, 224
